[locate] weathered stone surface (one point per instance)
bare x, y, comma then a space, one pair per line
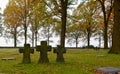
32, 50
43, 49
107, 70
21, 50
59, 50
26, 53
10, 58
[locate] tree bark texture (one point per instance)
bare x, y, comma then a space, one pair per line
116, 29
15, 36
33, 38
25, 22
106, 20
88, 37
63, 19
36, 38
105, 26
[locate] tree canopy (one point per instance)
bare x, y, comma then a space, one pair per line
32, 20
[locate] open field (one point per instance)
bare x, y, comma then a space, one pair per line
76, 62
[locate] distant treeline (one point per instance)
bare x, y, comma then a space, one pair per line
55, 47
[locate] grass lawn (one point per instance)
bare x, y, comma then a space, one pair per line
76, 62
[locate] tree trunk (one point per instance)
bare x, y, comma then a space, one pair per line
48, 38
105, 27
15, 36
32, 38
25, 34
116, 29
100, 40
88, 38
102, 2
36, 38
88, 35
63, 19
76, 42
25, 22
106, 20
105, 34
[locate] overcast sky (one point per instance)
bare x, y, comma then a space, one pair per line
3, 4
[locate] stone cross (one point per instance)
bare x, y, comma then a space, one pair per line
59, 50
43, 49
26, 53
21, 50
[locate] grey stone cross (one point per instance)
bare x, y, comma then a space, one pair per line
59, 50
43, 49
